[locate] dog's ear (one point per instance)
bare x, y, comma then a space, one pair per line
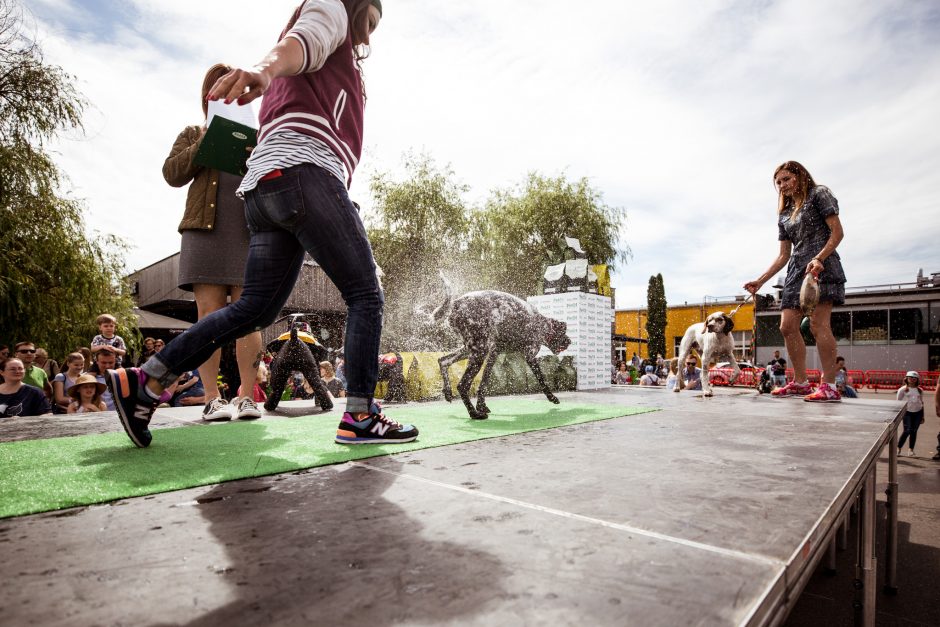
729, 323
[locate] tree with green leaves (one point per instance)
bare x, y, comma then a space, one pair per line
54, 279
418, 228
656, 316
518, 231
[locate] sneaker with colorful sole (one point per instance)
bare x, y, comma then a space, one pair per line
373, 428
792, 389
135, 414
825, 393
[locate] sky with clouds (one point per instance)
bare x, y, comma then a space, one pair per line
678, 111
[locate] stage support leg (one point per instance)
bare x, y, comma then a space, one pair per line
891, 541
831, 556
844, 533
867, 563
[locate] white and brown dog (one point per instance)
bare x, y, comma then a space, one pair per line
712, 340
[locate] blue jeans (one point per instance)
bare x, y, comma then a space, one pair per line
911, 425
305, 209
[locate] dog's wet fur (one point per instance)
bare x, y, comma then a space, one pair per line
295, 356
490, 323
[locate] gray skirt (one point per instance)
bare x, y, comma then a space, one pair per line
217, 257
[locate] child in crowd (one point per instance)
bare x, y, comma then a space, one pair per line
261, 379
333, 384
649, 378
914, 414
188, 390
86, 395
622, 377
106, 325
671, 366
63, 382
842, 379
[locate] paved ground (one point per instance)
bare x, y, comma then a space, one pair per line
221, 551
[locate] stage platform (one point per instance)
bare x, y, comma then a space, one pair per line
711, 511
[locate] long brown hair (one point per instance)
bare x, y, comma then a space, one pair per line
358, 13
804, 183
215, 72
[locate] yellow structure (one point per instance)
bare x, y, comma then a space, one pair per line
630, 327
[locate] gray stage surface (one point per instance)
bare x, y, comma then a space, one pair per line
709, 512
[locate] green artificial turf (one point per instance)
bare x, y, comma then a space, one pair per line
43, 475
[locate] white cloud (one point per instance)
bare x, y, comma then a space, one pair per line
677, 111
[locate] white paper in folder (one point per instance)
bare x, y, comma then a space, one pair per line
243, 114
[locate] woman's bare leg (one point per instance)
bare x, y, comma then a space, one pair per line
821, 326
210, 298
248, 353
796, 349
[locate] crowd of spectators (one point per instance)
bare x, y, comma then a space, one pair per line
33, 384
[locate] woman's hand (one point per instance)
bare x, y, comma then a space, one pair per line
814, 267
241, 86
752, 286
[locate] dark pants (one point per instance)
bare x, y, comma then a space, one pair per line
306, 209
911, 425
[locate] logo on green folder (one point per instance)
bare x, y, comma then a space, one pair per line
238, 135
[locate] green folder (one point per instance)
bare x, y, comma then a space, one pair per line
225, 146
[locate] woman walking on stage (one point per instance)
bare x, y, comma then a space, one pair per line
296, 200
809, 231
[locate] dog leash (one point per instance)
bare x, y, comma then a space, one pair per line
735, 310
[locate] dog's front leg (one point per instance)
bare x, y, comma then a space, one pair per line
463, 388
707, 356
445, 363
533, 362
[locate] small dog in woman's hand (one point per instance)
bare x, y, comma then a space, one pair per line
712, 339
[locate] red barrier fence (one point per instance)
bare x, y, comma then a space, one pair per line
871, 379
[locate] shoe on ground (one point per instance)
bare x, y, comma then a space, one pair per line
373, 428
218, 409
825, 393
936, 457
792, 389
910, 453
247, 409
135, 414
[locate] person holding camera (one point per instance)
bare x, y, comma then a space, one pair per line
911, 393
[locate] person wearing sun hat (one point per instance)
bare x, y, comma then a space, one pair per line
86, 395
911, 393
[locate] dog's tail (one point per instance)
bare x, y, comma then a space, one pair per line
444, 310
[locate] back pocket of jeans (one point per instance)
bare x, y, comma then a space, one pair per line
282, 201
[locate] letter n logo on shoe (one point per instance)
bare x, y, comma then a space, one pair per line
380, 428
142, 412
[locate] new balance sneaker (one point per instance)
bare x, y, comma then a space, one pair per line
825, 393
247, 409
218, 409
125, 385
373, 428
792, 389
